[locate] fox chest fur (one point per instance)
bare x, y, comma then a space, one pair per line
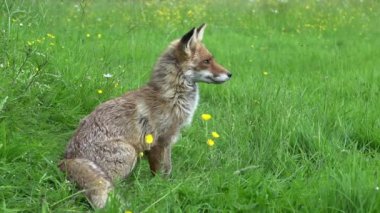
164, 113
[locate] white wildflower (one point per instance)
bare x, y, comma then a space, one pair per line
107, 75
274, 11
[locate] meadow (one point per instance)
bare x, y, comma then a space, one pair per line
299, 122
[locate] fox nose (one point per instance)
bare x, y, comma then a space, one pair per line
229, 75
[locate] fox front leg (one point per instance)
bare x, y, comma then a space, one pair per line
160, 156
167, 161
154, 158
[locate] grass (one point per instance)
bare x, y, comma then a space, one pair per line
299, 122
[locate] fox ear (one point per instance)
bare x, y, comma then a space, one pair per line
200, 31
189, 40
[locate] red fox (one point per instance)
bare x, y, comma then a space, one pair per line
106, 144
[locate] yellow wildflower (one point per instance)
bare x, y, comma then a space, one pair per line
50, 35
215, 135
149, 138
190, 13
88, 35
128, 211
141, 154
100, 91
206, 117
265, 73
99, 35
210, 142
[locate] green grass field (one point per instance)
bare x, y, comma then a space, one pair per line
299, 122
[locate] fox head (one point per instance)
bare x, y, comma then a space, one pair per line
197, 62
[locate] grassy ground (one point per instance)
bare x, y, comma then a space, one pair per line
299, 121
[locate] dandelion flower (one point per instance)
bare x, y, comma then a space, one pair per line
128, 211
215, 135
210, 142
99, 35
100, 91
88, 35
141, 154
265, 73
149, 138
206, 117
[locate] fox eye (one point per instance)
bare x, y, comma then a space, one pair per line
207, 61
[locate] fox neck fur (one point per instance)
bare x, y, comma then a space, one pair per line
173, 87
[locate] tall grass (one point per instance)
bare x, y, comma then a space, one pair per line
299, 121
